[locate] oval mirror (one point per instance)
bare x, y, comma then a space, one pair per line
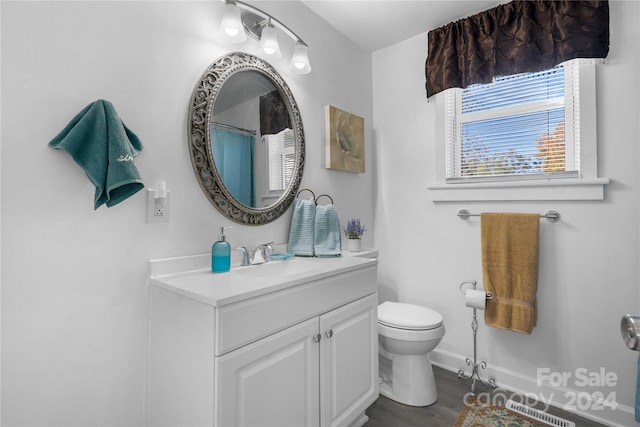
246, 139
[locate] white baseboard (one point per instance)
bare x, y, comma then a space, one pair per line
621, 416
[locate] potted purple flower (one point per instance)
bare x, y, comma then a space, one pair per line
354, 231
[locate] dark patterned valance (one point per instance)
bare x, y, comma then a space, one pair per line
274, 115
513, 38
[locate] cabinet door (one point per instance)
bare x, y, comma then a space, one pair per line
272, 382
348, 361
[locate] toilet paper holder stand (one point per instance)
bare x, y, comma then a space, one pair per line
474, 364
474, 284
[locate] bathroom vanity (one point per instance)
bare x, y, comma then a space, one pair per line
287, 343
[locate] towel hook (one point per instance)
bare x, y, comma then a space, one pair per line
325, 195
306, 189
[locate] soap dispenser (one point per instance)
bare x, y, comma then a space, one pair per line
221, 254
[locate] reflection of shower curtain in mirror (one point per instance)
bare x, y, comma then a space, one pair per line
233, 154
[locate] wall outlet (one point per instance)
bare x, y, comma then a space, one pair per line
157, 209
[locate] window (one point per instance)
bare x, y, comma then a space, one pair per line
529, 129
282, 158
517, 127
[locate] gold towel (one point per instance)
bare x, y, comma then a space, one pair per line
510, 269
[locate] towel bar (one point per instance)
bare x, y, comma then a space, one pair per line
551, 215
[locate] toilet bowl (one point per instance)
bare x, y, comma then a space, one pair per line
406, 335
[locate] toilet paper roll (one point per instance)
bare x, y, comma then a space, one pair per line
630, 329
475, 298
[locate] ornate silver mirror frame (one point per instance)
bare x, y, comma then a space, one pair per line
200, 148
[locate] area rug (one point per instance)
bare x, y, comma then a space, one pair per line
478, 414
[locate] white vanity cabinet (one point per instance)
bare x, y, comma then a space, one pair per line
279, 380
302, 354
349, 362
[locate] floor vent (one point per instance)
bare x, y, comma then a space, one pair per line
538, 415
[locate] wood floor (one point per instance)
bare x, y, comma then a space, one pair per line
451, 391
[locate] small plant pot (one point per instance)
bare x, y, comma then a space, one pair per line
354, 245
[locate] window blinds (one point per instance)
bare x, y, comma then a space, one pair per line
281, 159
525, 125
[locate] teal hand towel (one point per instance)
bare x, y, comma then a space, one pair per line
302, 227
104, 147
327, 241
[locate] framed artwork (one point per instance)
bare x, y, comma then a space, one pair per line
344, 140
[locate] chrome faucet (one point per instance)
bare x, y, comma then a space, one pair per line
258, 255
245, 256
261, 254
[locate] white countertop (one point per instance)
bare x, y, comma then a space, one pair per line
192, 277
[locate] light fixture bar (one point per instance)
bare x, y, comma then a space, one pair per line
266, 16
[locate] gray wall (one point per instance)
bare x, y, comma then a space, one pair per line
74, 303
588, 277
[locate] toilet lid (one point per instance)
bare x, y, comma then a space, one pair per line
408, 316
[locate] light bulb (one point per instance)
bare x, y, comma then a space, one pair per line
300, 59
231, 24
269, 41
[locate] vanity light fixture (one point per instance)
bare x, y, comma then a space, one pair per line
231, 25
269, 41
261, 26
300, 58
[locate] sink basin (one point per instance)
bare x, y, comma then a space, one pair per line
277, 268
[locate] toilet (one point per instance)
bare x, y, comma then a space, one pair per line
406, 335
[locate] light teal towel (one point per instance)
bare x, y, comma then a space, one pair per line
327, 241
104, 147
302, 227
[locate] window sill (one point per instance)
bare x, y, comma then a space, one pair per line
561, 189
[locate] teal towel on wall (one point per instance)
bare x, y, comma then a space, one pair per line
104, 147
301, 234
327, 235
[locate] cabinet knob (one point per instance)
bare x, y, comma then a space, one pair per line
317, 337
329, 333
